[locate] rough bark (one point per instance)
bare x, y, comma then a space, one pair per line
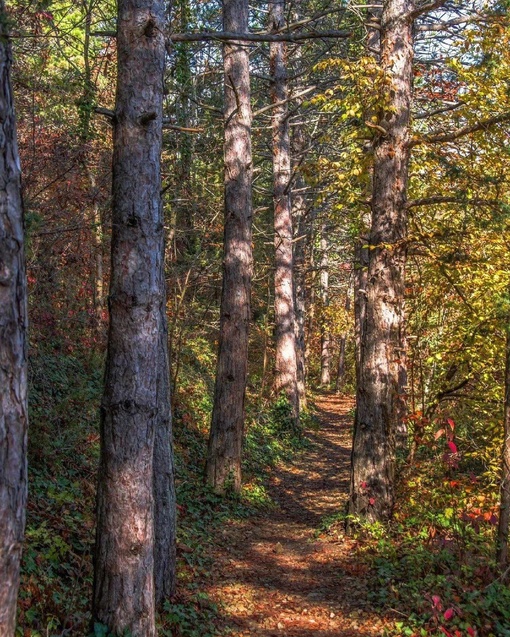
379, 401
13, 349
325, 335
504, 509
285, 380
123, 597
300, 216
164, 488
223, 469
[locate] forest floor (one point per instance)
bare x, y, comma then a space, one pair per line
281, 573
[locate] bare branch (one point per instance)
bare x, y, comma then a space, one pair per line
425, 8
439, 111
225, 36
438, 138
206, 36
438, 199
282, 102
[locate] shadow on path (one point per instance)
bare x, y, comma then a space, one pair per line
276, 575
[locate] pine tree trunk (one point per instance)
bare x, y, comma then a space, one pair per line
340, 373
164, 488
504, 509
123, 597
379, 402
223, 469
325, 336
285, 381
13, 349
299, 214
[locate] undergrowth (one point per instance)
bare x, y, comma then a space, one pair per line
433, 567
65, 392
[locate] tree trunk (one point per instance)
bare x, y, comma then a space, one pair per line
340, 373
164, 488
285, 381
379, 402
341, 353
504, 510
13, 349
223, 469
299, 214
325, 336
123, 597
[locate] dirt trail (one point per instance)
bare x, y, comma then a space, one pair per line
275, 575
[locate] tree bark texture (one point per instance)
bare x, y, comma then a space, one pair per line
302, 221
379, 399
504, 509
325, 336
13, 349
223, 469
164, 487
285, 381
123, 597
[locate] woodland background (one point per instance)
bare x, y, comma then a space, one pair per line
457, 304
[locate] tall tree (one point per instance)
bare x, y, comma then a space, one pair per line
379, 370
135, 381
286, 364
13, 348
223, 467
163, 471
325, 378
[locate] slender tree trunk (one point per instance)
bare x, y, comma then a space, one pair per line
378, 394
223, 469
299, 214
504, 510
164, 488
85, 112
123, 597
13, 349
340, 371
341, 353
325, 335
361, 260
285, 381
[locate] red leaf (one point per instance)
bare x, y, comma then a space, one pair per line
471, 631
436, 600
438, 434
449, 613
451, 423
363, 485
372, 501
445, 632
493, 519
453, 447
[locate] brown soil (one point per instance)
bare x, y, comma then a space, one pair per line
276, 575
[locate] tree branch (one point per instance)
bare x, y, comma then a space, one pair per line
225, 36
439, 111
206, 36
484, 124
282, 102
425, 8
437, 199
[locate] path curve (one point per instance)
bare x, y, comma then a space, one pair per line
276, 575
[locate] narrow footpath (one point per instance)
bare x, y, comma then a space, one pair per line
276, 574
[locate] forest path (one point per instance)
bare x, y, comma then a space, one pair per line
275, 574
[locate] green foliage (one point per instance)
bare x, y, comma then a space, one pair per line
56, 569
